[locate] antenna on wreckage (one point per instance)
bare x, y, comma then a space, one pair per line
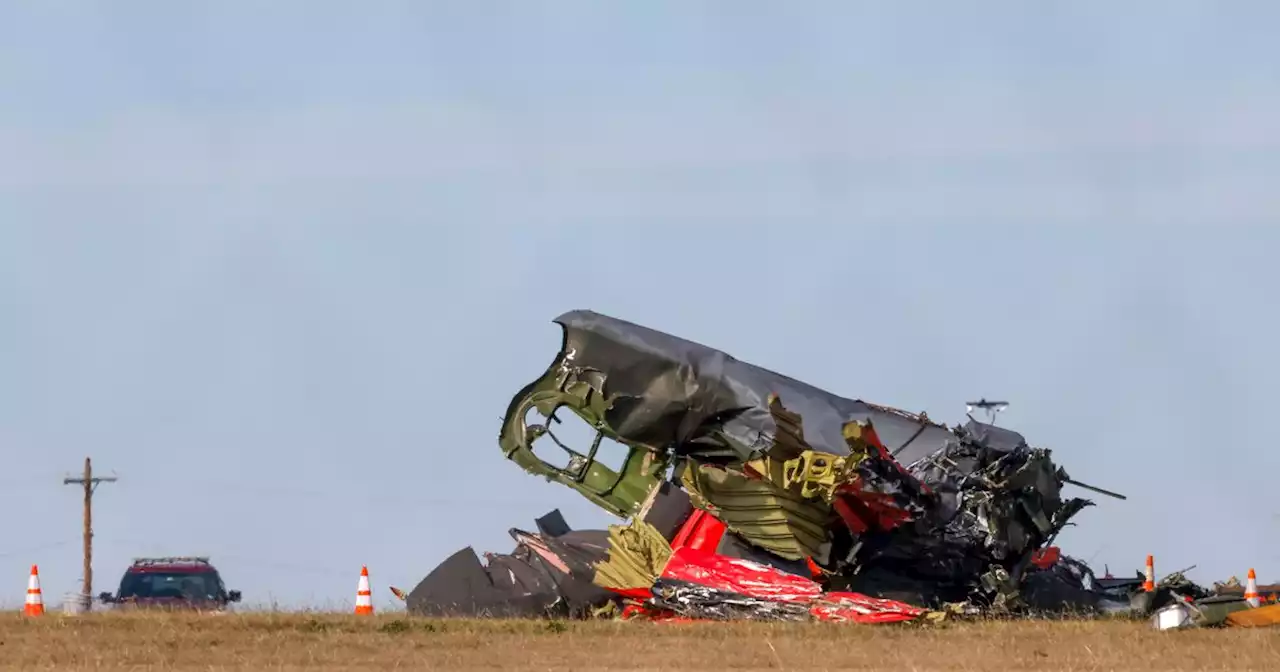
994, 407
991, 408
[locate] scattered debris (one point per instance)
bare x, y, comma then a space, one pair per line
1228, 604
1267, 593
548, 574
1257, 617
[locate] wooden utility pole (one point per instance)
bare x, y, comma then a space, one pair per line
90, 483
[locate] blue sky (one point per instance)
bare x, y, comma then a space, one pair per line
282, 266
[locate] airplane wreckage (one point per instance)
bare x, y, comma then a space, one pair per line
750, 494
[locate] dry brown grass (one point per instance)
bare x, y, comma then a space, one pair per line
302, 641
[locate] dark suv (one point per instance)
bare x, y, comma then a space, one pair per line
178, 582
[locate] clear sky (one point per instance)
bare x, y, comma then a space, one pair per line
280, 266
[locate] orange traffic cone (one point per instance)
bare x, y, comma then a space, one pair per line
364, 596
34, 606
1251, 590
1150, 584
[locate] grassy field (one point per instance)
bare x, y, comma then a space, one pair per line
301, 641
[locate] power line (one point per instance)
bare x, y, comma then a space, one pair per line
16, 485
284, 492
37, 549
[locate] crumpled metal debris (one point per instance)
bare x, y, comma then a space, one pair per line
638, 554
1179, 603
549, 573
1257, 617
1267, 593
690, 579
997, 503
1186, 612
799, 475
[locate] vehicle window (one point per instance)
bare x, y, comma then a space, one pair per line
189, 585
